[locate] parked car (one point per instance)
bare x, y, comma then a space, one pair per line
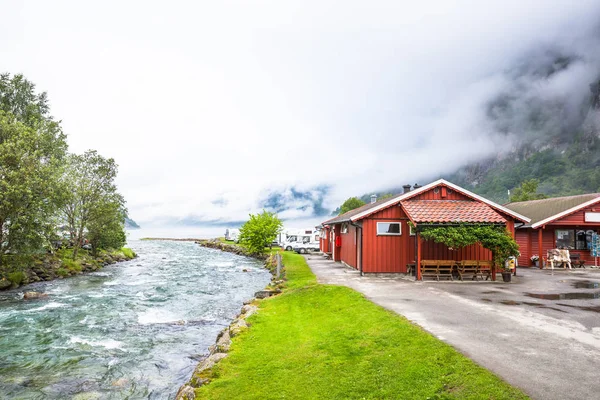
306, 247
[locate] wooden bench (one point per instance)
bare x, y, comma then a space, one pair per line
484, 268
469, 268
429, 268
576, 260
437, 268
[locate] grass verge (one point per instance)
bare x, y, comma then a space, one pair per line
329, 342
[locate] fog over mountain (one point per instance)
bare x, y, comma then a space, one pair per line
216, 110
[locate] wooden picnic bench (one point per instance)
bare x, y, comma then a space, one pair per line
475, 269
484, 268
437, 268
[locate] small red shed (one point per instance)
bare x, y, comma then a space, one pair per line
559, 222
377, 237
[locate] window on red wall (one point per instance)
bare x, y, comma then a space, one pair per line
388, 228
344, 228
573, 239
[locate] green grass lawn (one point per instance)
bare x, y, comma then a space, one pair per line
329, 342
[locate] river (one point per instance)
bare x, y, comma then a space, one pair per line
133, 330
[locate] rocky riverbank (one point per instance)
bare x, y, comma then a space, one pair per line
230, 248
26, 270
220, 349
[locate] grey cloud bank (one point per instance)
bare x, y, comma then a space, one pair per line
216, 110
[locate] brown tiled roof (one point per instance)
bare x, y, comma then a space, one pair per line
450, 211
346, 216
539, 210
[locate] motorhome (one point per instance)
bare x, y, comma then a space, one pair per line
232, 234
300, 236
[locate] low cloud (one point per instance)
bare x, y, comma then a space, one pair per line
217, 110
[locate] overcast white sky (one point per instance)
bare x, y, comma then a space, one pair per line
210, 108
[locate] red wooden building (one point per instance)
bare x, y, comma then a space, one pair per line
560, 222
377, 237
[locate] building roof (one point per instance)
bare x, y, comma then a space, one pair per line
547, 210
450, 211
368, 209
348, 215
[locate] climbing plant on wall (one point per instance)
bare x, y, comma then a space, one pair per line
493, 237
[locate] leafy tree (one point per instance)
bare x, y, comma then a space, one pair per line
260, 231
91, 200
32, 147
351, 204
29, 170
106, 229
527, 191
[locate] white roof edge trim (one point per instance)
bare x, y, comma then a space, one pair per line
566, 212
396, 200
431, 185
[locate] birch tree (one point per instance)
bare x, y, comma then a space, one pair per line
91, 196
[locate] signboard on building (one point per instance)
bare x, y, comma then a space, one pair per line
595, 250
592, 217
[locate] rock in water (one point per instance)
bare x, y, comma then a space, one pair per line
5, 284
34, 295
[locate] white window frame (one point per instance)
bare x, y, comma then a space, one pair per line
411, 230
344, 228
390, 234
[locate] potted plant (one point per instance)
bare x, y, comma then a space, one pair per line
508, 268
535, 259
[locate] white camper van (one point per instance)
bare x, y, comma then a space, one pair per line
296, 236
232, 234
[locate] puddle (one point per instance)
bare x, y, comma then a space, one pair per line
584, 308
518, 303
586, 285
564, 296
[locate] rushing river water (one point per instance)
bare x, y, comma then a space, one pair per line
132, 330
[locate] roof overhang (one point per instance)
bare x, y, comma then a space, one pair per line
427, 187
565, 213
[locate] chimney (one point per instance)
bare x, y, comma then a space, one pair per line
406, 188
373, 198
416, 186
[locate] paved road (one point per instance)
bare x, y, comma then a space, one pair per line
550, 348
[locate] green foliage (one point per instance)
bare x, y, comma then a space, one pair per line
351, 204
127, 252
260, 231
62, 272
527, 191
573, 169
16, 277
493, 237
106, 228
91, 201
329, 342
72, 265
32, 147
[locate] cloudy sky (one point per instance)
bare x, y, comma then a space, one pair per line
217, 109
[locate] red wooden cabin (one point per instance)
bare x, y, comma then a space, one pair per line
559, 222
377, 237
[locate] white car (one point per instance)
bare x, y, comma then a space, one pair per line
304, 248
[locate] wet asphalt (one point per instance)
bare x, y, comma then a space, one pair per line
540, 332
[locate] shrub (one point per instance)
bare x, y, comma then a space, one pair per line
127, 252
72, 265
17, 277
62, 272
260, 231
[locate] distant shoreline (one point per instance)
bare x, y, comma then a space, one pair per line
173, 239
